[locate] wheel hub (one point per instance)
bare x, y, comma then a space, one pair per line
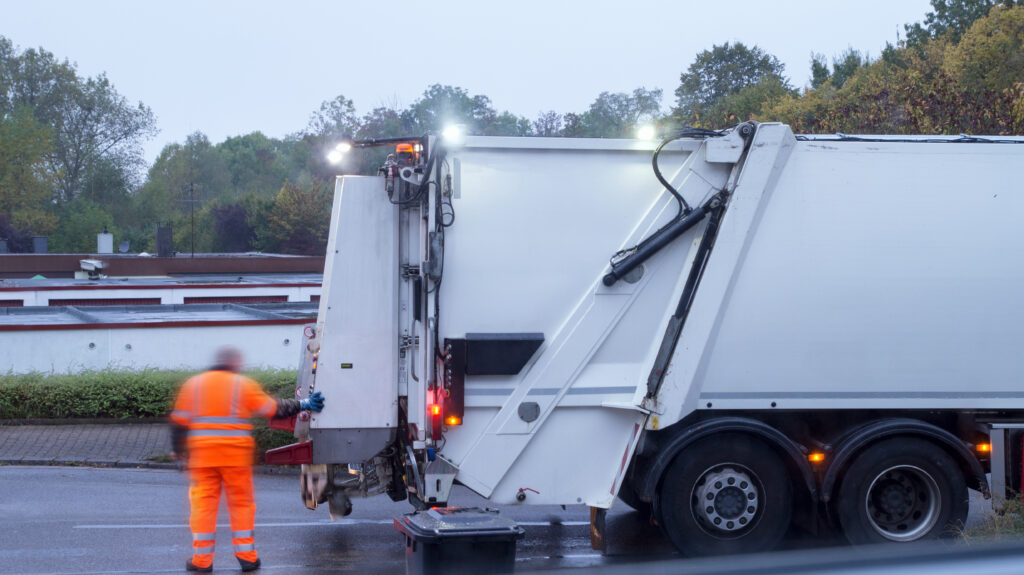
726, 499
903, 503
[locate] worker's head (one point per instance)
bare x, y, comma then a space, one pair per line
229, 357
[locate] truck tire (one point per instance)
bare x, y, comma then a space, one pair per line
727, 494
901, 490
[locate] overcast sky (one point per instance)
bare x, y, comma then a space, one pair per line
229, 67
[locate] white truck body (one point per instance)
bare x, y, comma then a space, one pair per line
845, 276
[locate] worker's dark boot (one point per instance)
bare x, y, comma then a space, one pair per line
190, 567
248, 565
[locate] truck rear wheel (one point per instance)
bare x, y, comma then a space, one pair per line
902, 490
728, 494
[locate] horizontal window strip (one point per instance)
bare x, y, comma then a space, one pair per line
79, 302
239, 299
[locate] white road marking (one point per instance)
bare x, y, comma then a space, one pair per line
319, 523
552, 523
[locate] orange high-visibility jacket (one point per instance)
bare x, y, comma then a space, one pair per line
216, 406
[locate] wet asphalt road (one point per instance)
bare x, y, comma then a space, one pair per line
56, 520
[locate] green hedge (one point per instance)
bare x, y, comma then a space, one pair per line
109, 394
123, 395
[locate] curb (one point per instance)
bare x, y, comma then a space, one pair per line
89, 463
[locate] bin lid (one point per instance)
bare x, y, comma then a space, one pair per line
457, 522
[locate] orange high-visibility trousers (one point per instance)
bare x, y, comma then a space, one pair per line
204, 495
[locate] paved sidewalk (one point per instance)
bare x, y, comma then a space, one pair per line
113, 445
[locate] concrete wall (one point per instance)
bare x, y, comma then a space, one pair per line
73, 350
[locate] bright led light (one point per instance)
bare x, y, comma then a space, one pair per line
453, 131
343, 147
334, 156
454, 135
646, 132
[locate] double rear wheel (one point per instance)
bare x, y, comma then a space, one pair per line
733, 494
901, 490
727, 495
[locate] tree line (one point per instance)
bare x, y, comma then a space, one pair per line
71, 147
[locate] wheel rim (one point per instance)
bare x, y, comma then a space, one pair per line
903, 503
727, 500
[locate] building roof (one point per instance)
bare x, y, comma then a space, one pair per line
139, 316
65, 265
150, 282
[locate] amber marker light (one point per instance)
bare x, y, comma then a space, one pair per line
452, 420
816, 457
983, 447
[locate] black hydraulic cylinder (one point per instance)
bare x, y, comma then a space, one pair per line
653, 244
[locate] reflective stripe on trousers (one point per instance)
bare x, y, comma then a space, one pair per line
202, 549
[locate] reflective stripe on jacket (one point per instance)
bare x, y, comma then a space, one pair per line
216, 406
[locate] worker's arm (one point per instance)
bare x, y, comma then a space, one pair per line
262, 405
179, 418
289, 407
179, 435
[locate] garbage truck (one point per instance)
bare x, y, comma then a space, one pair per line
736, 332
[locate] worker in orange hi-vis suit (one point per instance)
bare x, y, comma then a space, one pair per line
211, 425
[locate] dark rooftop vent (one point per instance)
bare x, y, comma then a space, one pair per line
164, 242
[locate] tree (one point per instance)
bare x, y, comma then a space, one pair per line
952, 17
722, 71
912, 91
819, 71
183, 177
301, 218
990, 55
194, 231
107, 185
89, 118
335, 118
548, 124
381, 122
252, 164
507, 124
26, 184
80, 221
748, 102
441, 105
574, 126
617, 115
846, 66
233, 231
259, 210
